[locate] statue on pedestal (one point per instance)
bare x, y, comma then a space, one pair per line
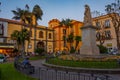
89, 46
87, 16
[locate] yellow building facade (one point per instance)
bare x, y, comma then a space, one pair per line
43, 34
105, 25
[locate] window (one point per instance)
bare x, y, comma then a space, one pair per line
107, 23
108, 34
98, 24
1, 29
98, 35
50, 36
41, 34
64, 31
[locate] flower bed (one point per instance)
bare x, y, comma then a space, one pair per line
87, 58
86, 62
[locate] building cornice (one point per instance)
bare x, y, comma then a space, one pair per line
13, 21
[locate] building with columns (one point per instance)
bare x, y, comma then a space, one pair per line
43, 34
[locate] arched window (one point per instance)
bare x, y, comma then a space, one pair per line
41, 34
40, 44
50, 36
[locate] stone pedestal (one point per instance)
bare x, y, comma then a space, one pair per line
89, 46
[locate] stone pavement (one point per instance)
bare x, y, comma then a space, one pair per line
38, 65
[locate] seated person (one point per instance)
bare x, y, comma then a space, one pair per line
26, 61
28, 66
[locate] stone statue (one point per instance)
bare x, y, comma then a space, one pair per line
87, 16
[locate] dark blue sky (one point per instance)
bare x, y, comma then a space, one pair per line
60, 9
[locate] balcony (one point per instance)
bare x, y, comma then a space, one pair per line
107, 27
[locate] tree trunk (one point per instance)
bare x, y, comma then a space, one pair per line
77, 42
23, 50
34, 38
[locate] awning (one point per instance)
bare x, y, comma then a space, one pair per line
6, 46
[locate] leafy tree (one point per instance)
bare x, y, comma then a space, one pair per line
113, 11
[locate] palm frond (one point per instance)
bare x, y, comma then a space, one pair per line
37, 11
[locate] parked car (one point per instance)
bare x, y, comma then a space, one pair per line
2, 58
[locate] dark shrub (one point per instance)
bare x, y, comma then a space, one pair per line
72, 50
39, 51
102, 49
15, 50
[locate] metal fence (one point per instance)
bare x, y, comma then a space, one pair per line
45, 73
50, 74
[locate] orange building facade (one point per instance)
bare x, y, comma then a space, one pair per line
59, 33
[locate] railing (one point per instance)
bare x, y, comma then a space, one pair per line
51, 74
45, 73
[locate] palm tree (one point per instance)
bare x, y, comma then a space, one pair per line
27, 17
65, 23
77, 39
21, 14
37, 12
70, 39
21, 37
14, 36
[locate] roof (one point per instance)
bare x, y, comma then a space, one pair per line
12, 21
